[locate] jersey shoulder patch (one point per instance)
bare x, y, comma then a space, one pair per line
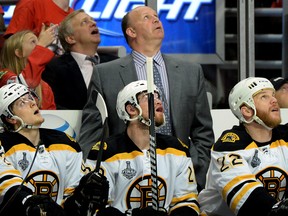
230, 137
234, 139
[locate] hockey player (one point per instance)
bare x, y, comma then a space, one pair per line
248, 168
41, 168
126, 162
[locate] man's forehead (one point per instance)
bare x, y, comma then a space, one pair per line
143, 10
263, 91
79, 17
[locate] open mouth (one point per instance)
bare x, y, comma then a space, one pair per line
95, 31
160, 109
275, 109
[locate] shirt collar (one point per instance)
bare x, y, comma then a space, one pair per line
140, 59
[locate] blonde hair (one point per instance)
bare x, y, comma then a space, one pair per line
13, 62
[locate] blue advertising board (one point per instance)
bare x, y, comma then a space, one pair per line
191, 26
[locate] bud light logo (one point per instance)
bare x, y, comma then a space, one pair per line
190, 25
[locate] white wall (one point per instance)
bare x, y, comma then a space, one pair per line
222, 119
73, 117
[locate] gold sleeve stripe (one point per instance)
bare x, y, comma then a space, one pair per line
9, 183
237, 180
183, 198
191, 205
68, 191
242, 193
9, 172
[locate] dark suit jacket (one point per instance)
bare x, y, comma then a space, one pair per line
190, 113
65, 78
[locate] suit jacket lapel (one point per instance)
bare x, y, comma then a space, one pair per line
74, 70
127, 70
174, 79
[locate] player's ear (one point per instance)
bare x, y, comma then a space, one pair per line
247, 112
131, 110
11, 120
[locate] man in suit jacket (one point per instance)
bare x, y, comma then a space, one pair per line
189, 109
69, 75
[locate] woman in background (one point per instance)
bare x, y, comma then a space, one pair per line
23, 59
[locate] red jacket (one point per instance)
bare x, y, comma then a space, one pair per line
30, 14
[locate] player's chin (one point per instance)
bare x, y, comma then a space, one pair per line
159, 121
274, 122
39, 121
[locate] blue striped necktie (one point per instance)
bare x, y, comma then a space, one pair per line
165, 129
93, 59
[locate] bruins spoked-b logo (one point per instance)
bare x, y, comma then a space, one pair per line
44, 183
274, 180
139, 194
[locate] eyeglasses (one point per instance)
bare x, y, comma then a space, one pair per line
144, 97
24, 100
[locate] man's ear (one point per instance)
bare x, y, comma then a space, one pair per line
131, 110
70, 39
131, 32
247, 112
11, 120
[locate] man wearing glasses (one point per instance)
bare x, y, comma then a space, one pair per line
40, 169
